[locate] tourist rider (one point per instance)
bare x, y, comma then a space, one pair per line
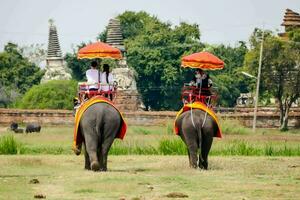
93, 76
202, 81
107, 81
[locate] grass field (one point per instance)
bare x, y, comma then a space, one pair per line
159, 140
268, 169
149, 177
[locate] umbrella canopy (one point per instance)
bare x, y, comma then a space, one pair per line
202, 60
99, 50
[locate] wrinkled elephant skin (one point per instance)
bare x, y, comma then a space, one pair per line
196, 137
99, 126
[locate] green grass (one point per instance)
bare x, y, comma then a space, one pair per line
9, 145
172, 147
234, 127
159, 140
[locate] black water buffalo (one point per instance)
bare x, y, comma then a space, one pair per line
15, 128
33, 128
19, 130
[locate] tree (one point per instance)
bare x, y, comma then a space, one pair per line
229, 82
154, 51
17, 73
78, 67
280, 69
35, 53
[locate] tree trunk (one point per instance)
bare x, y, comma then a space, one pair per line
285, 119
281, 114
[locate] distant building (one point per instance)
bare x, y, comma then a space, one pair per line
291, 20
128, 97
56, 68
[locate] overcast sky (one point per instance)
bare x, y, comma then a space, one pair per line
221, 21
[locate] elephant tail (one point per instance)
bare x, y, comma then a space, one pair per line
199, 133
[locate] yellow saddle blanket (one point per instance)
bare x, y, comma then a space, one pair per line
200, 106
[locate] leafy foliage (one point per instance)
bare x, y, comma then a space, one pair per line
17, 73
51, 95
280, 69
154, 50
229, 81
78, 67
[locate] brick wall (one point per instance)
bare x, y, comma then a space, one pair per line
266, 117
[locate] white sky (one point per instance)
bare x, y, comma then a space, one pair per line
221, 21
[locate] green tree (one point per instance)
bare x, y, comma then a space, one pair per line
155, 54
78, 67
280, 69
229, 82
16, 72
154, 50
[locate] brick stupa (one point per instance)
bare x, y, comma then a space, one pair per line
56, 68
128, 98
291, 20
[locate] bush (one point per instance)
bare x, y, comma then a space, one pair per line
9, 145
57, 94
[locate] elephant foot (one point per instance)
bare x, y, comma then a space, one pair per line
203, 165
103, 169
193, 166
95, 166
87, 167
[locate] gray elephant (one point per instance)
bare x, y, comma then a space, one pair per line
196, 137
99, 126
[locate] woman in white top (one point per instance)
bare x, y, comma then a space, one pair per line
106, 79
93, 76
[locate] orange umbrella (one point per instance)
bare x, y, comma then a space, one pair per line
99, 50
202, 60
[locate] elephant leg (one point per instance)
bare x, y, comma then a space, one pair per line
188, 150
91, 149
205, 148
104, 153
87, 160
201, 161
192, 149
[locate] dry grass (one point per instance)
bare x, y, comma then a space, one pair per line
150, 177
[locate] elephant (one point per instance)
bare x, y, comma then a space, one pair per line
197, 136
99, 126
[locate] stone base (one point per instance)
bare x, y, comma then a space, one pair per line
56, 69
128, 100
